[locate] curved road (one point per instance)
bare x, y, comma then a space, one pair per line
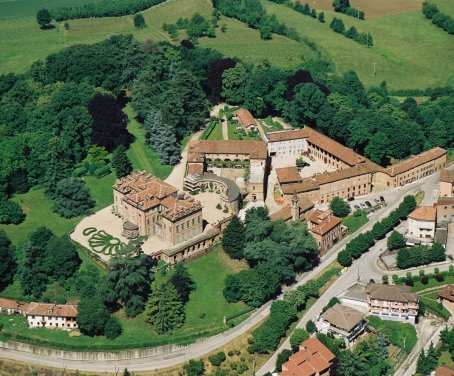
201, 348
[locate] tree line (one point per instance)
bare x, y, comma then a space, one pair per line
440, 19
420, 255
337, 25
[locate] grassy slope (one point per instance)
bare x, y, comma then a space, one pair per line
208, 273
404, 47
445, 6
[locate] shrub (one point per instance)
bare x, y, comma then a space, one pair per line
11, 212
311, 327
409, 282
139, 21
103, 171
425, 280
112, 329
79, 171
439, 277
217, 359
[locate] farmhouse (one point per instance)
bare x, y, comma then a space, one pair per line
151, 207
343, 322
245, 118
412, 169
53, 316
11, 307
445, 210
249, 156
446, 183
391, 302
326, 229
312, 359
422, 223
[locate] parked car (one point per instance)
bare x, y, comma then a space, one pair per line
357, 207
377, 200
363, 205
382, 199
350, 198
368, 204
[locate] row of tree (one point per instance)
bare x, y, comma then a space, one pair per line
274, 251
303, 9
442, 20
197, 27
352, 33
362, 243
343, 6
420, 255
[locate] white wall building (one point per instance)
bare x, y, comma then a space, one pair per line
52, 316
288, 142
422, 222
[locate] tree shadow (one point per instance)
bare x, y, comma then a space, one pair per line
48, 27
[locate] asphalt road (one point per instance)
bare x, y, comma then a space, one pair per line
365, 266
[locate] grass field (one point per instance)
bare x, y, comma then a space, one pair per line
141, 156
355, 222
216, 133
208, 273
403, 52
445, 6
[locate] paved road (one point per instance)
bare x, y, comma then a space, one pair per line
199, 349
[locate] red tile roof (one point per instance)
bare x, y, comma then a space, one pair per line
286, 212
415, 161
287, 175
245, 118
13, 304
55, 310
347, 173
447, 293
312, 358
447, 176
324, 221
287, 135
445, 201
424, 213
306, 185
444, 371
255, 149
195, 168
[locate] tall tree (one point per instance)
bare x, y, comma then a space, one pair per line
339, 207
92, 316
182, 281
8, 266
306, 105
233, 239
120, 162
72, 198
62, 259
44, 18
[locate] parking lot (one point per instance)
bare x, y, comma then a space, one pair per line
367, 204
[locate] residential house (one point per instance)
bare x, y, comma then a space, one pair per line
326, 228
445, 210
343, 322
151, 207
312, 359
422, 223
245, 118
52, 316
12, 307
391, 302
446, 183
446, 297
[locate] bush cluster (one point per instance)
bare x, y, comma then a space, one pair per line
442, 20
420, 255
343, 6
104, 8
363, 38
361, 244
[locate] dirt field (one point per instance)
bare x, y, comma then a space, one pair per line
372, 8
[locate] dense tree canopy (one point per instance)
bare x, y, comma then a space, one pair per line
8, 266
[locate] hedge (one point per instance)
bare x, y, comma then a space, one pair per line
103, 171
426, 304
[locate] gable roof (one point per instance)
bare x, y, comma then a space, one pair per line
287, 175
287, 135
343, 316
424, 213
255, 149
447, 176
245, 118
324, 221
285, 213
306, 185
447, 293
391, 292
444, 371
415, 161
56, 310
13, 304
346, 173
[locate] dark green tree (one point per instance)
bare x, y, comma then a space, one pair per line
62, 259
183, 282
382, 346
344, 258
120, 162
44, 18
233, 240
321, 17
139, 21
92, 316
297, 337
72, 198
438, 252
11, 212
281, 358
8, 266
194, 368
396, 241
311, 327
339, 207
112, 329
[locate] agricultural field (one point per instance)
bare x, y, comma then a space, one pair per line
445, 6
404, 46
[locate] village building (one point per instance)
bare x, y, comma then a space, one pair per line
391, 302
445, 210
343, 322
248, 157
246, 120
288, 142
52, 316
298, 210
312, 359
326, 228
422, 223
444, 371
446, 297
12, 307
446, 183
412, 169
151, 207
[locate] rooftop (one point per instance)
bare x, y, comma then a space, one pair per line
391, 292
331, 177
285, 213
245, 117
424, 213
447, 293
447, 176
343, 316
312, 358
13, 304
306, 185
415, 161
444, 371
293, 134
56, 310
445, 201
324, 221
287, 175
255, 149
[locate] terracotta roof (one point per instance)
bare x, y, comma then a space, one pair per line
286, 212
347, 173
391, 292
445, 201
324, 221
424, 213
255, 149
447, 176
288, 175
415, 161
179, 206
444, 371
195, 168
287, 135
313, 357
13, 304
196, 157
343, 316
56, 310
447, 293
245, 118
306, 185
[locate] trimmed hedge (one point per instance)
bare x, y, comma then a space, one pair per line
103, 171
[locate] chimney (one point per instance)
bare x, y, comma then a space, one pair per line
294, 210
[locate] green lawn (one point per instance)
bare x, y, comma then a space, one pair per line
445, 6
418, 286
216, 133
397, 332
208, 273
141, 156
403, 52
355, 222
101, 189
235, 134
269, 125
445, 359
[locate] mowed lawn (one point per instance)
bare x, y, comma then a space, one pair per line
205, 312
405, 46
